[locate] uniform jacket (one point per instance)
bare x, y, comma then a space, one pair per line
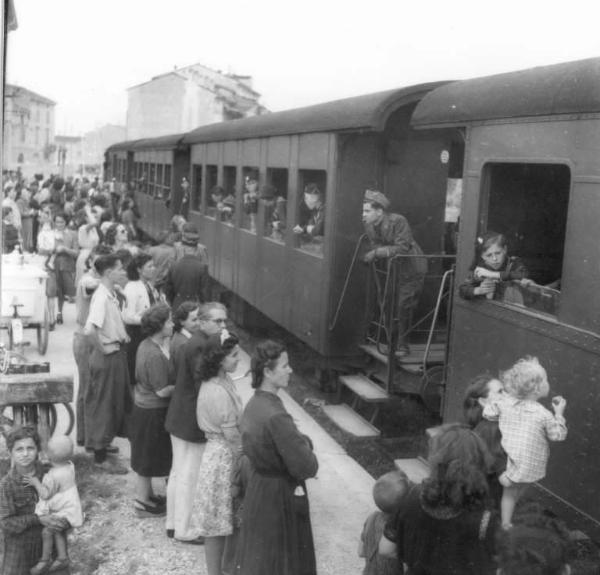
187, 280
393, 236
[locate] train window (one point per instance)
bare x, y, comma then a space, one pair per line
212, 190
197, 188
226, 205
167, 182
160, 191
152, 180
528, 204
310, 227
250, 198
273, 203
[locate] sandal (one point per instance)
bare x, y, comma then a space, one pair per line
158, 499
146, 510
41, 567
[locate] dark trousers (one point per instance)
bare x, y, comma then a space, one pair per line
107, 395
82, 349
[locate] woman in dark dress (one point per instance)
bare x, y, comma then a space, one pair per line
21, 527
444, 526
275, 535
150, 443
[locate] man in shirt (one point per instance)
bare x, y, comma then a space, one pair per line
390, 235
187, 440
108, 386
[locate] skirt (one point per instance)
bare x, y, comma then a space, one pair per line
213, 506
151, 453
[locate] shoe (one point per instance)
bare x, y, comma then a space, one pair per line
170, 533
158, 499
41, 567
59, 565
145, 510
59, 319
197, 541
111, 467
52, 327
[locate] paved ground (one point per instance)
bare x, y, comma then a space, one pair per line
340, 495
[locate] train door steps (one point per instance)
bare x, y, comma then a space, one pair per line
416, 468
348, 420
364, 388
437, 353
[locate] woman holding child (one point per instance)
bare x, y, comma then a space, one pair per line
275, 535
443, 526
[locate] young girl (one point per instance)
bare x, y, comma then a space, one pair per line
483, 389
58, 495
526, 428
492, 265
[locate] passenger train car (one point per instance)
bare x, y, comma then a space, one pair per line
524, 149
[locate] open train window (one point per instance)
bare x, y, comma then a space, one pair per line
273, 203
250, 198
167, 182
197, 188
212, 177
223, 199
310, 224
528, 204
160, 191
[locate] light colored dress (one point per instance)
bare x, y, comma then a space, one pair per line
63, 498
218, 407
526, 427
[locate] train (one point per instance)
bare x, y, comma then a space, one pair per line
518, 153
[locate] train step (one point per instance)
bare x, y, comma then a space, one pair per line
348, 420
437, 353
364, 388
417, 469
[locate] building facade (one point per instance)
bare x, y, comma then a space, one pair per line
94, 145
186, 98
28, 130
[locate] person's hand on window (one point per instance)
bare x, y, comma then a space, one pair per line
298, 229
525, 282
309, 229
487, 288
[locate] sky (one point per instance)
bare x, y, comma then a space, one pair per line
84, 54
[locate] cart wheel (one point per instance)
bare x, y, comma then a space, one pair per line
54, 418
432, 387
42, 333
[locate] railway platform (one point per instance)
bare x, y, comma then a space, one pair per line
340, 495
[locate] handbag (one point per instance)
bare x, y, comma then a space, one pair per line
307, 564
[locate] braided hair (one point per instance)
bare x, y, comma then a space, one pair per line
265, 355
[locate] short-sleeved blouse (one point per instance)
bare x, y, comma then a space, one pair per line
218, 406
153, 372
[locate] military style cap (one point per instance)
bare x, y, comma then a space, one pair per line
378, 197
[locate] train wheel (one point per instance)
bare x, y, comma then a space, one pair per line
432, 387
43, 333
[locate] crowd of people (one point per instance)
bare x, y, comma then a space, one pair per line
155, 361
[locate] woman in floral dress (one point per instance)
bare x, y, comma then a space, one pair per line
218, 412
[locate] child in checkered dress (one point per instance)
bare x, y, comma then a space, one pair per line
526, 428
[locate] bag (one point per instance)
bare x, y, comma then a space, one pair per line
307, 564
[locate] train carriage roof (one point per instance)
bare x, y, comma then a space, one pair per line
369, 112
169, 142
568, 88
